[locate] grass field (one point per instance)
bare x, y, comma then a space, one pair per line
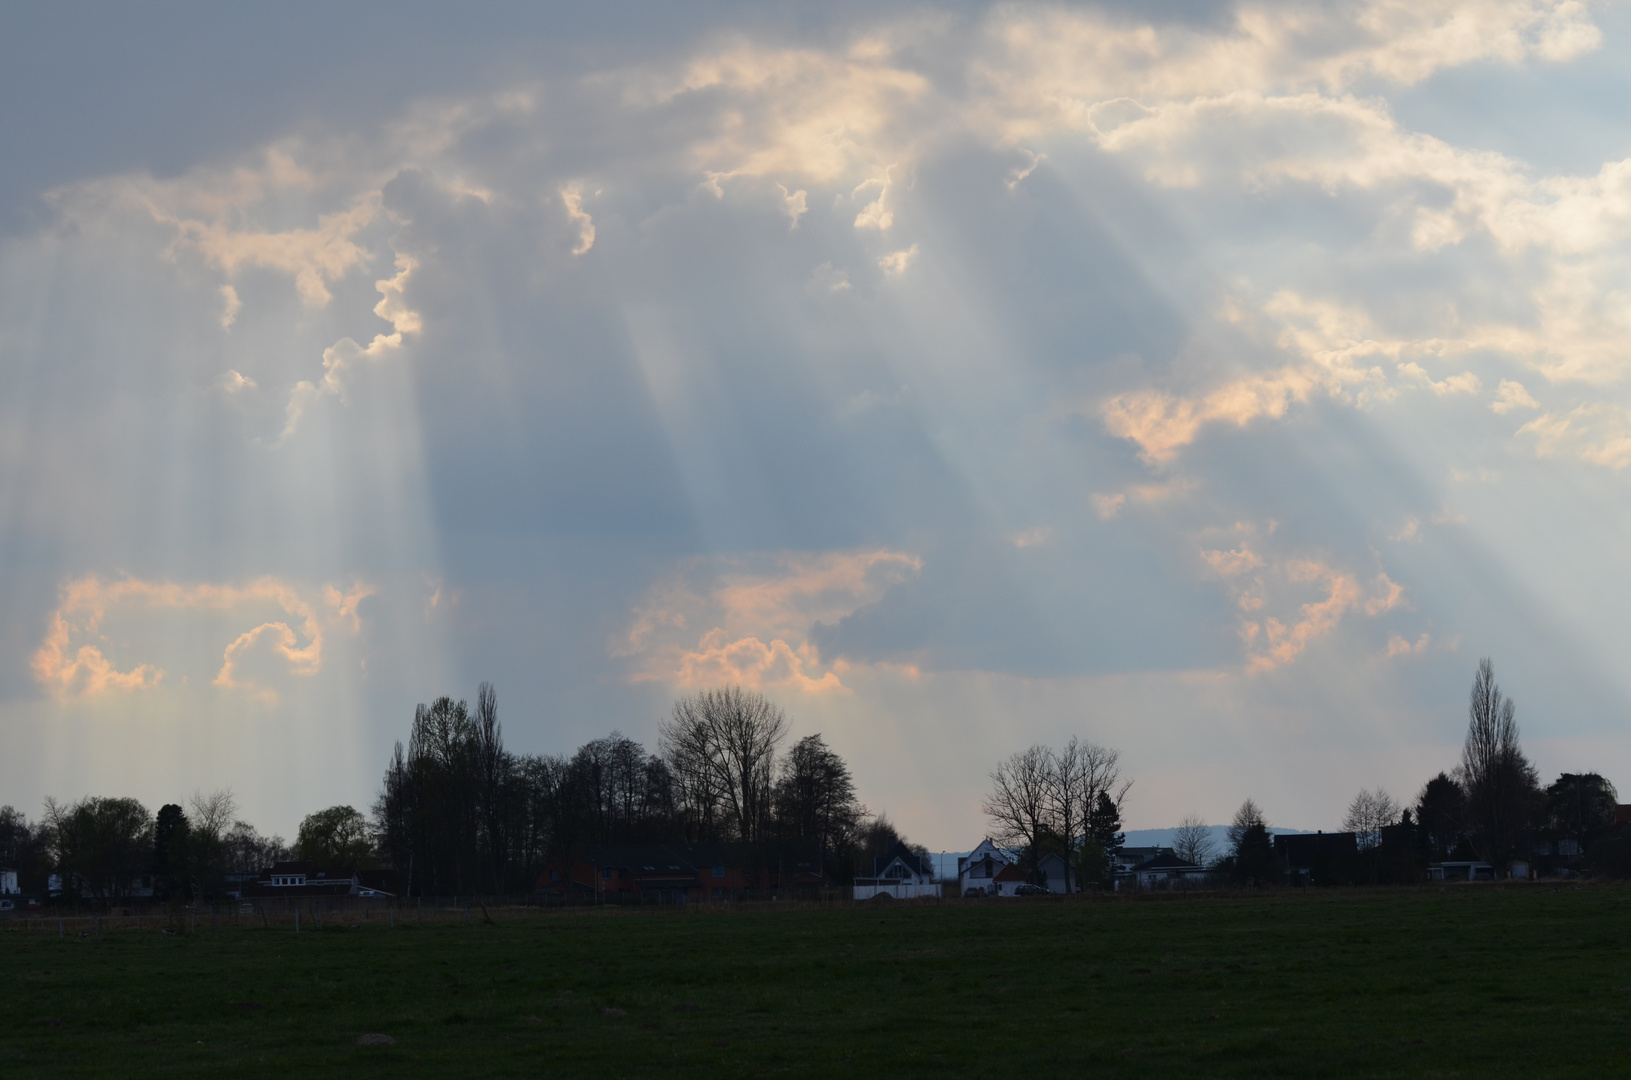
1470, 981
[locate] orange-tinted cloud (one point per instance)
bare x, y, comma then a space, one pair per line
749, 621
69, 666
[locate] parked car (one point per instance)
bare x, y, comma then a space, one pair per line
973, 890
7, 905
1030, 890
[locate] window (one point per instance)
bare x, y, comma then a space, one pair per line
719, 871
606, 873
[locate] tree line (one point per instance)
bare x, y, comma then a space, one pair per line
1489, 808
457, 812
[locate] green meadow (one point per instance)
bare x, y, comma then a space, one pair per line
1470, 981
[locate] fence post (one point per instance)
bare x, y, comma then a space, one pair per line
297, 920
59, 927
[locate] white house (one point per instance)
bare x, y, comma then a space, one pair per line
8, 881
900, 874
1164, 871
1051, 869
979, 868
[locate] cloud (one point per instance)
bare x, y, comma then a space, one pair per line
1263, 584
1162, 423
876, 214
895, 263
230, 306
235, 382
752, 663
825, 279
1108, 505
343, 359
1464, 383
1512, 395
1398, 646
85, 604
797, 204
1597, 434
572, 199
795, 115
1032, 537
755, 618
1272, 643
214, 214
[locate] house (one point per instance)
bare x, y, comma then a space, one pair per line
900, 873
977, 869
1128, 857
8, 881
1318, 858
1050, 874
302, 880
1008, 880
1164, 871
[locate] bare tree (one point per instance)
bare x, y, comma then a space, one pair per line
247, 851
1064, 781
1368, 814
212, 813
1192, 841
1018, 805
721, 747
1503, 788
1104, 793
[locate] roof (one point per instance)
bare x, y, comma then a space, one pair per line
906, 855
1010, 872
1139, 854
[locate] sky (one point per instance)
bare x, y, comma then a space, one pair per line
1216, 382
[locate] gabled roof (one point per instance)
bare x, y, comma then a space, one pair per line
908, 859
1011, 872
